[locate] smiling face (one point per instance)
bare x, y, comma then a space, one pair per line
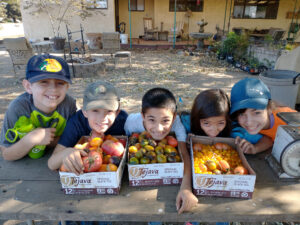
158, 122
100, 120
47, 94
212, 126
254, 120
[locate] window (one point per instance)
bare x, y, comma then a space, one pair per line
137, 5
96, 4
255, 9
184, 5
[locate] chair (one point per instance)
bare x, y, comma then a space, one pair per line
178, 31
20, 52
149, 31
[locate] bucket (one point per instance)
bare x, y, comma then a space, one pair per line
283, 85
124, 38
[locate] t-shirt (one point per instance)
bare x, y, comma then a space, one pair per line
22, 117
277, 122
134, 124
78, 126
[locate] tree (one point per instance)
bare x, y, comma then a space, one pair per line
13, 10
2, 12
59, 11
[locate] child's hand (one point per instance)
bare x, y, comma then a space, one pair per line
42, 136
185, 200
245, 146
72, 160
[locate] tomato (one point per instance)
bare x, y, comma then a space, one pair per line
92, 162
113, 148
197, 147
172, 141
109, 137
96, 142
81, 146
136, 135
240, 170
123, 141
222, 146
63, 169
224, 165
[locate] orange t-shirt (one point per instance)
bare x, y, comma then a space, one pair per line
277, 122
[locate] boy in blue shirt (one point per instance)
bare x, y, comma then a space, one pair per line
101, 115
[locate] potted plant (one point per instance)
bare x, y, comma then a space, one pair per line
58, 12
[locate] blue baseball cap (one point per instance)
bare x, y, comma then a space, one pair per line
40, 67
249, 93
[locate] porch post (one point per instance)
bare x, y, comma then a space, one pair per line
225, 17
130, 40
293, 20
229, 15
174, 37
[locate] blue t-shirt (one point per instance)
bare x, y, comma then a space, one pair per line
78, 126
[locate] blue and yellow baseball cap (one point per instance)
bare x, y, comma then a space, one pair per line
249, 93
40, 67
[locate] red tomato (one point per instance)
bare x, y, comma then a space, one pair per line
135, 135
172, 141
92, 162
113, 148
123, 141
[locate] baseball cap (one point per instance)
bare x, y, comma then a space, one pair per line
40, 67
101, 94
249, 93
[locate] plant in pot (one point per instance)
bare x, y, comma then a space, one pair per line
253, 65
229, 46
59, 12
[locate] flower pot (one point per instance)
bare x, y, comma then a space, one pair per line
58, 43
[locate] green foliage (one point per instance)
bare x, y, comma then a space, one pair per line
13, 10
2, 12
235, 45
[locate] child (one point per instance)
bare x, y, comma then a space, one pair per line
159, 118
210, 114
36, 118
101, 115
252, 107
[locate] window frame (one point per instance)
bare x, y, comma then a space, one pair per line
245, 3
136, 10
183, 5
96, 2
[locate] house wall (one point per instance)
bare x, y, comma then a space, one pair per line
213, 13
38, 26
137, 23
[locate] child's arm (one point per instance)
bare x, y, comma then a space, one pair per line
263, 144
70, 158
39, 136
185, 199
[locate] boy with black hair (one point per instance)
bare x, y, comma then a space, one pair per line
36, 118
159, 118
101, 115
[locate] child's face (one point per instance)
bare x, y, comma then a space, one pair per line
100, 120
47, 94
254, 120
212, 126
158, 122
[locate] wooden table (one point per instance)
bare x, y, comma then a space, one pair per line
30, 191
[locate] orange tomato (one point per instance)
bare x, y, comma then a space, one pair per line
106, 159
224, 165
197, 147
103, 168
172, 141
109, 137
221, 146
111, 167
202, 167
96, 142
240, 170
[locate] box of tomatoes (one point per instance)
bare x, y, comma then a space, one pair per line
154, 163
103, 166
220, 168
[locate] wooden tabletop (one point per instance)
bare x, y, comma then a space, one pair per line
30, 191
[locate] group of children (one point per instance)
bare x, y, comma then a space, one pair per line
51, 120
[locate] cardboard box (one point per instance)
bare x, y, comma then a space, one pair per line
98, 183
234, 186
156, 174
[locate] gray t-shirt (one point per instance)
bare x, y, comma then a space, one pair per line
134, 124
22, 117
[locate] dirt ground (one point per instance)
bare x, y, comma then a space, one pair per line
183, 74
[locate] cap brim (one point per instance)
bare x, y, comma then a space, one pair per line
254, 103
49, 76
112, 104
